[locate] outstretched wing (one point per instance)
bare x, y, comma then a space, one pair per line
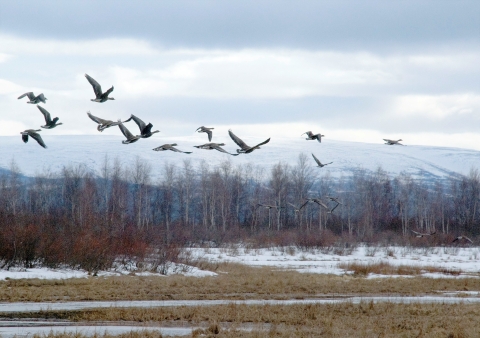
309, 133
238, 141
96, 119
217, 147
304, 204
258, 145
209, 132
38, 138
139, 122
331, 211
125, 131
97, 89
317, 160
42, 97
30, 95
108, 91
320, 203
46, 114
416, 233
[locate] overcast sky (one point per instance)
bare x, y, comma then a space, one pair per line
353, 70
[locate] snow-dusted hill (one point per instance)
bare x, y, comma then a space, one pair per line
421, 161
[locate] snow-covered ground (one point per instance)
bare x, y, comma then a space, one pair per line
421, 161
466, 261
46, 273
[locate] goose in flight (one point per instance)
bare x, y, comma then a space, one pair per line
145, 129
320, 203
267, 206
245, 148
127, 134
420, 235
334, 199
311, 136
459, 238
102, 124
33, 134
170, 147
393, 142
49, 123
203, 129
315, 200
320, 163
34, 99
97, 89
216, 146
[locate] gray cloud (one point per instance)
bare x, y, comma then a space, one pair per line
349, 67
369, 25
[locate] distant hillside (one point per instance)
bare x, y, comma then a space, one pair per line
424, 162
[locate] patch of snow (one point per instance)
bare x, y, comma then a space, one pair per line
46, 273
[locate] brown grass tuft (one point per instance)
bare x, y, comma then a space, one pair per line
385, 268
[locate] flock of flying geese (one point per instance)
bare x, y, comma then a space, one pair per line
458, 238
146, 132
145, 129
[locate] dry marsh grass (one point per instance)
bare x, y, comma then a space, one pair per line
234, 281
385, 268
306, 320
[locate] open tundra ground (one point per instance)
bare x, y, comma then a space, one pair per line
237, 273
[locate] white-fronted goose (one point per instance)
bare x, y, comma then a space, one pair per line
145, 129
320, 164
245, 149
170, 147
268, 206
315, 200
214, 146
459, 238
97, 89
393, 142
32, 99
49, 123
334, 199
320, 203
33, 134
203, 129
127, 134
102, 124
420, 235
311, 136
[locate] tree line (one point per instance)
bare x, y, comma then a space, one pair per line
87, 219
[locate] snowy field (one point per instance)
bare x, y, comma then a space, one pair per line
421, 161
466, 261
